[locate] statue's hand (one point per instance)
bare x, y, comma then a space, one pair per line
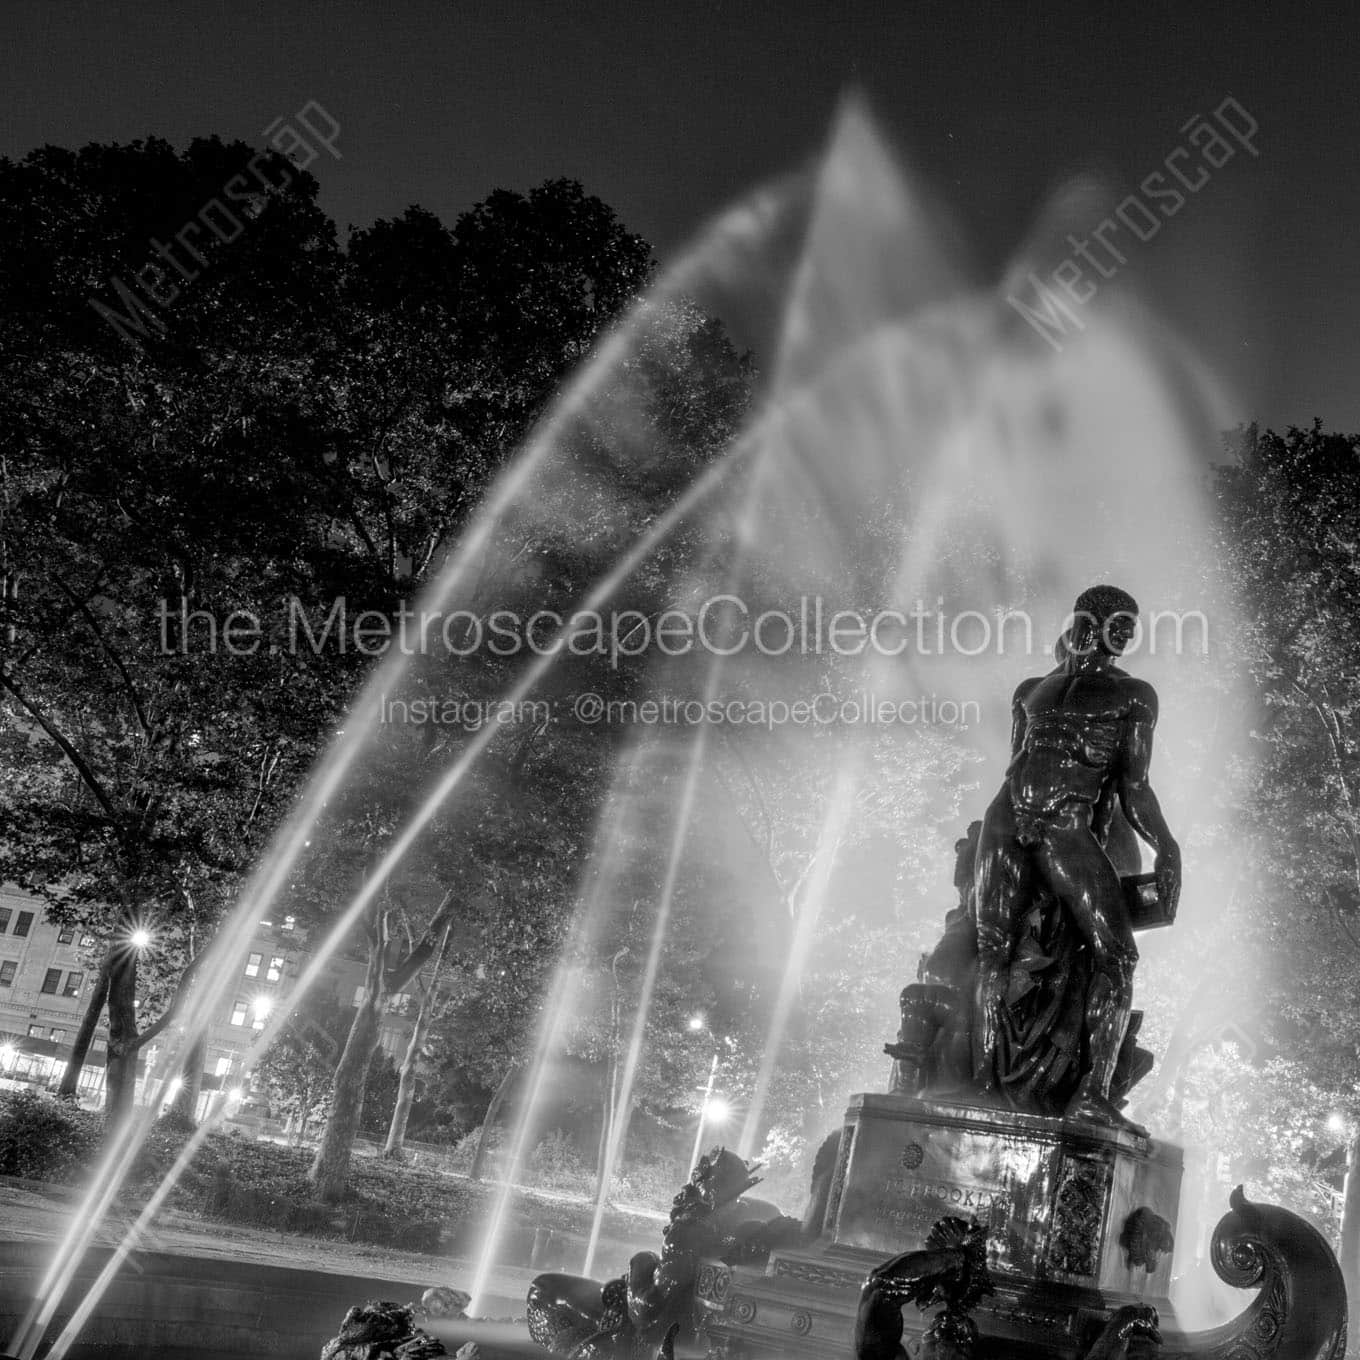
1168, 871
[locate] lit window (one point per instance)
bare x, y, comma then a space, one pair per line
24, 924
5, 914
257, 1021
73, 981
87, 941
275, 968
290, 922
35, 1031
238, 1013
253, 965
360, 996
66, 934
223, 1066
57, 1036
7, 972
51, 981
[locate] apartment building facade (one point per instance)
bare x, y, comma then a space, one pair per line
45, 976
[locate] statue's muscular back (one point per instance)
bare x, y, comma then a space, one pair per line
1071, 731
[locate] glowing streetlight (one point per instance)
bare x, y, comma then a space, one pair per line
235, 1094
7, 1054
707, 1109
718, 1111
262, 1005
1336, 1123
141, 938
696, 1023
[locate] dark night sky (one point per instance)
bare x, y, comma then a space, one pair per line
669, 111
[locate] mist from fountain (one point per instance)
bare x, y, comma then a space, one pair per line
722, 249
894, 398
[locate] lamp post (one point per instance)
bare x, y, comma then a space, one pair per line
704, 1111
713, 1109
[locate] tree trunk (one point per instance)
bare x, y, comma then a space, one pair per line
121, 1078
191, 1086
395, 1147
1350, 1238
492, 1114
330, 1170
89, 1022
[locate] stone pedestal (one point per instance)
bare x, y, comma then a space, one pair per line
1058, 1197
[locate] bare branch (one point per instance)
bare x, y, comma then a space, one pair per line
397, 977
181, 991
82, 767
83, 608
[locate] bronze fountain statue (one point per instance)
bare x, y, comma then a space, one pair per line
1082, 745
1016, 1053
1026, 1000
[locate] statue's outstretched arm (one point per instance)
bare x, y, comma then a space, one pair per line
1140, 804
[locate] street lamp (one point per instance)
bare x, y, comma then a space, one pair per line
707, 1108
714, 1111
141, 938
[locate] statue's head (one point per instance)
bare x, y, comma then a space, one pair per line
1104, 619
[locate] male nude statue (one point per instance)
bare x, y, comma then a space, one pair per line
1082, 741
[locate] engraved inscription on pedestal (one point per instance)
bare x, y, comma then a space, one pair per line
904, 1176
